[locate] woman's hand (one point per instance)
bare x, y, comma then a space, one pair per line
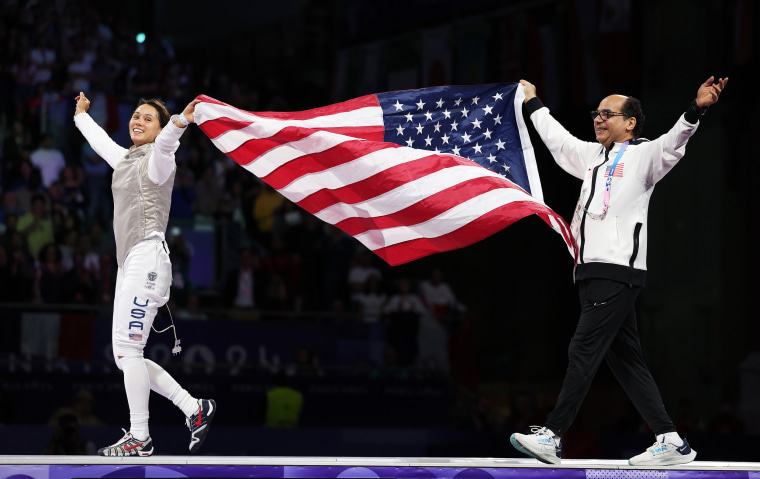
83, 104
188, 113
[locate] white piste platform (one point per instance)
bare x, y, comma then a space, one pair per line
69, 467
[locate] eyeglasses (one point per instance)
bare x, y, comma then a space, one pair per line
605, 114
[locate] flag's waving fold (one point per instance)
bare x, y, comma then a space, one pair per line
407, 173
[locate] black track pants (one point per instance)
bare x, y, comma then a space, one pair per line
607, 330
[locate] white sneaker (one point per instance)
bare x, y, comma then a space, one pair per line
664, 454
542, 444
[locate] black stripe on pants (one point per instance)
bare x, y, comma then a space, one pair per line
607, 329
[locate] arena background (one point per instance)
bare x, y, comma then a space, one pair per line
508, 352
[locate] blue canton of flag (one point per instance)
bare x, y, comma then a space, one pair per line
473, 122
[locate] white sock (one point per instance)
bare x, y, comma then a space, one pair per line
670, 438
164, 384
137, 386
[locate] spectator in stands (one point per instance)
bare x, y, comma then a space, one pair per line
306, 364
283, 404
97, 185
27, 185
183, 194
5, 278
310, 241
242, 288
337, 251
68, 247
266, 207
403, 310
371, 301
209, 193
106, 277
439, 298
24, 71
282, 268
49, 274
37, 229
11, 230
10, 208
8, 217
192, 309
48, 159
91, 257
23, 270
79, 285
144, 81
67, 440
390, 368
44, 59
82, 403
180, 254
74, 195
361, 270
17, 146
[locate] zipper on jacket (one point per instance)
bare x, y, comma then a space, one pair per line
588, 203
636, 232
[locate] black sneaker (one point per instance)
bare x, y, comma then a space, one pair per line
199, 422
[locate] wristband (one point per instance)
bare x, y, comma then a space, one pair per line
182, 119
697, 109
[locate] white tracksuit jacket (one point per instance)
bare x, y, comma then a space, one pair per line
614, 247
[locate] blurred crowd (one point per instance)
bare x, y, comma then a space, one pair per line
56, 239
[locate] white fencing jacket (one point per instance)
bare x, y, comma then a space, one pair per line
142, 182
615, 246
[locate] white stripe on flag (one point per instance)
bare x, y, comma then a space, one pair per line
529, 154
272, 159
405, 195
360, 117
351, 172
447, 222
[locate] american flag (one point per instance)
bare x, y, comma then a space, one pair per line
618, 171
407, 173
135, 336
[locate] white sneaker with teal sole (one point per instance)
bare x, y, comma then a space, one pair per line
542, 444
664, 454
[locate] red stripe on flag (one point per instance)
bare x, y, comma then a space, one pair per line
426, 209
316, 162
375, 185
348, 105
372, 133
468, 234
216, 128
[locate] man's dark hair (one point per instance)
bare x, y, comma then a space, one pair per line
163, 112
632, 109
